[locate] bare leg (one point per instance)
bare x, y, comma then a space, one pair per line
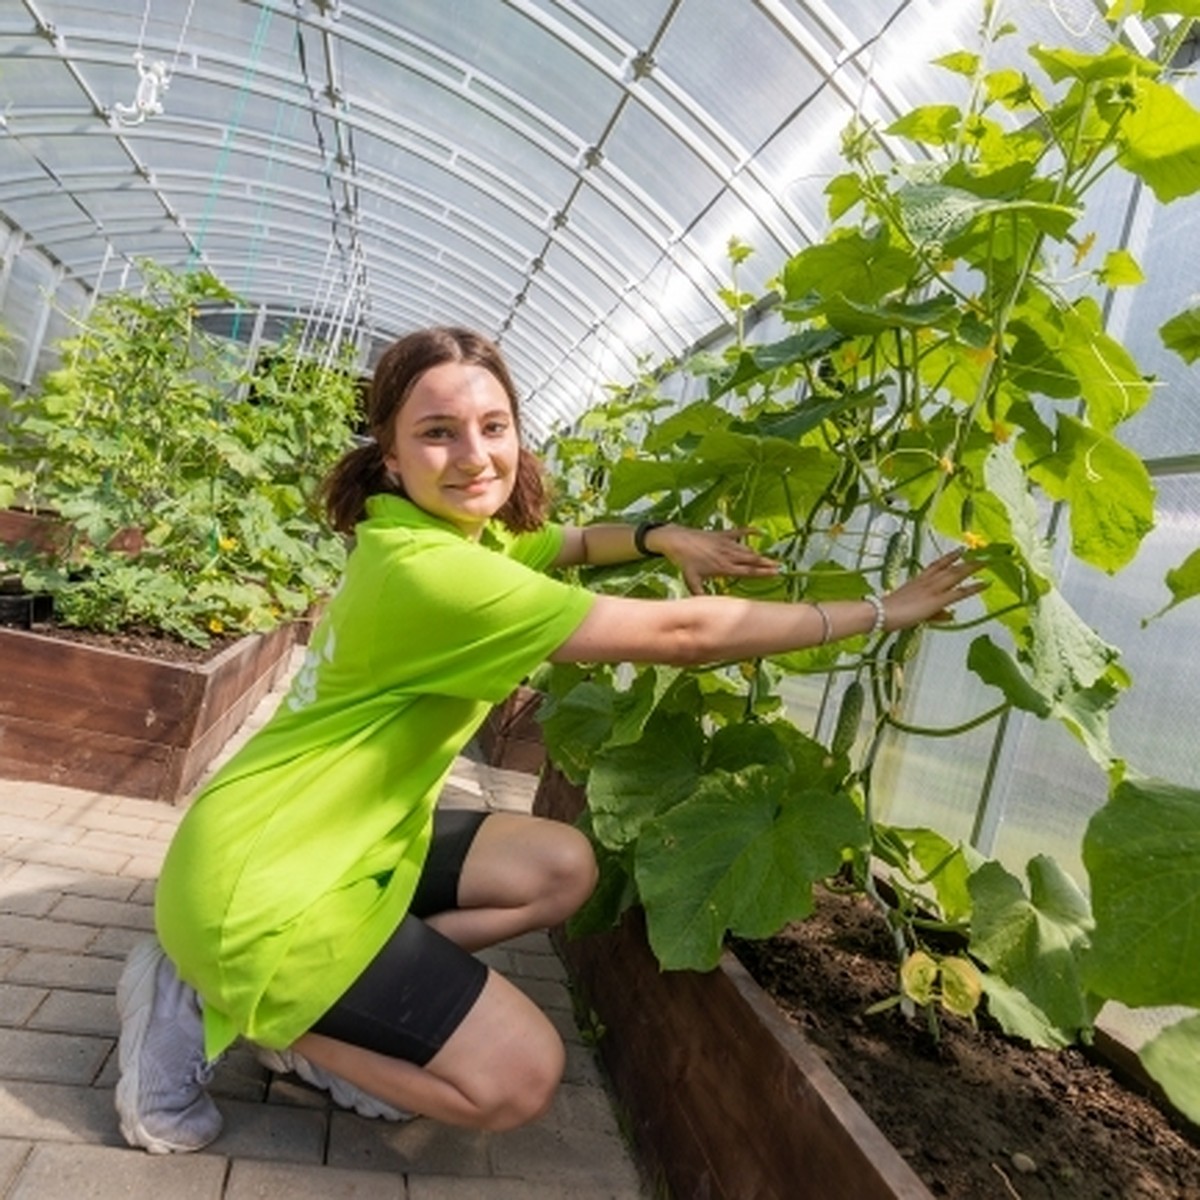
499, 1069
521, 873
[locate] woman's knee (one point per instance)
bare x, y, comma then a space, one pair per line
525, 1092
571, 868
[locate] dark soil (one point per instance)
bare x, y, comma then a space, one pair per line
976, 1115
145, 643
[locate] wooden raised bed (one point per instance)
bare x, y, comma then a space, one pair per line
511, 737
105, 720
725, 1099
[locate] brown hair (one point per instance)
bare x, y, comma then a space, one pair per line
361, 472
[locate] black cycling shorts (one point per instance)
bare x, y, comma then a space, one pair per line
418, 989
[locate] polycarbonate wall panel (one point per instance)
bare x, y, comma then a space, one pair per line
746, 77
564, 69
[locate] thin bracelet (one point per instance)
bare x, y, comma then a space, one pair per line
880, 615
639, 538
826, 623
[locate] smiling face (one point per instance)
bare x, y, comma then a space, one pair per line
454, 445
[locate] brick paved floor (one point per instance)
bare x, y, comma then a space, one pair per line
77, 874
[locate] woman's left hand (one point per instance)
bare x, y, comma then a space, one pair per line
702, 554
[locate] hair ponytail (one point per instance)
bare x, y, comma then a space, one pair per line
359, 473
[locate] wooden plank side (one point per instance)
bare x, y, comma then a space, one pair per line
49, 752
726, 1100
240, 669
96, 689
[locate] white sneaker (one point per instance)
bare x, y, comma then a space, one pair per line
160, 1096
343, 1093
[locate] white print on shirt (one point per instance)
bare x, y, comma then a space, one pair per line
303, 691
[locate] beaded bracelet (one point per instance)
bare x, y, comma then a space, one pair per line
880, 615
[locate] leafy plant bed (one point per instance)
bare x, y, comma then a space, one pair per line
771, 1080
975, 1114
126, 713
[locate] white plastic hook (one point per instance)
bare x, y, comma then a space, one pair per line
153, 81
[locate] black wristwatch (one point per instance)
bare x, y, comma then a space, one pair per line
639, 538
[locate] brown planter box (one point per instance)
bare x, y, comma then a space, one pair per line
43, 531
101, 719
726, 1100
511, 737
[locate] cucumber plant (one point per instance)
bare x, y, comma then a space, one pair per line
936, 383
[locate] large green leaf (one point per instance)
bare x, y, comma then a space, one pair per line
1142, 853
741, 856
760, 362
1173, 1059
1062, 351
635, 478
861, 269
1075, 667
1006, 479
630, 784
691, 422
1183, 582
1032, 944
1160, 141
1108, 490
1114, 63
1182, 334
576, 724
938, 312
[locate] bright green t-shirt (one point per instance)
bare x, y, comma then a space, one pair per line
300, 857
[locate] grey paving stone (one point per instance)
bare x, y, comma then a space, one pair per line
102, 1173
116, 942
28, 904
579, 1106
102, 841
420, 1147
581, 1066
272, 1181
272, 1131
12, 1158
19, 798
25, 826
542, 1152
79, 858
83, 972
18, 1004
545, 993
16, 930
51, 1057
138, 825
88, 910
142, 868
55, 1112
442, 1187
539, 966
78, 1012
239, 1077
110, 1072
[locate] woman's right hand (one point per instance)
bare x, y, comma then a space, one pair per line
929, 595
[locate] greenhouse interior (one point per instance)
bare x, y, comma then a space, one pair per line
855, 287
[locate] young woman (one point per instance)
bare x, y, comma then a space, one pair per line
314, 900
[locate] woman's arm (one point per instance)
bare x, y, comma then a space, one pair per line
699, 554
706, 629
